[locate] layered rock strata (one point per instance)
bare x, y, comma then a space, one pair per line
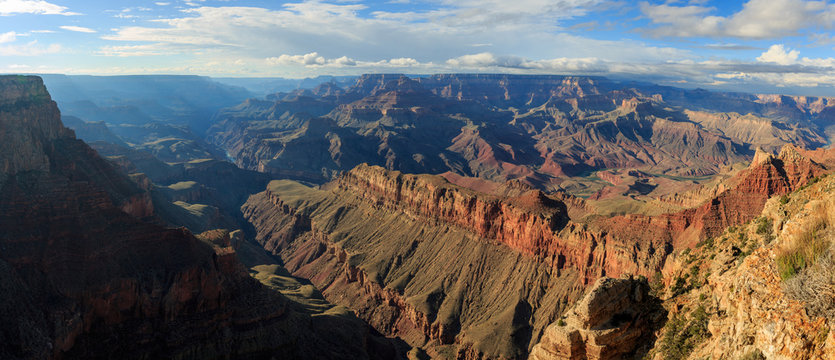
83, 276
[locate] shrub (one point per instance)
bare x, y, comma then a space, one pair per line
682, 336
756, 354
680, 286
784, 199
764, 226
695, 281
815, 286
656, 286
707, 243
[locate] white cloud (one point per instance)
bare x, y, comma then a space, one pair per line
131, 50
8, 37
310, 59
12, 7
403, 62
77, 29
758, 19
777, 54
306, 59
560, 65
525, 27
29, 49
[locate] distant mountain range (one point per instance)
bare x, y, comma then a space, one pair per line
539, 129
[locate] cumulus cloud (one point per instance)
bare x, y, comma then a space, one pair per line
559, 65
777, 54
306, 59
403, 62
342, 29
758, 19
310, 59
13, 7
77, 29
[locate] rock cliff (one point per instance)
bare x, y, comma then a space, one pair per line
734, 296
614, 320
437, 283
415, 254
83, 276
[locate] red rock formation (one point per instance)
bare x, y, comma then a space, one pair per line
524, 220
526, 223
743, 201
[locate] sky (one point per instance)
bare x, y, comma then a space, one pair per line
784, 46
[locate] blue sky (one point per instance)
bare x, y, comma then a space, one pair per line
754, 45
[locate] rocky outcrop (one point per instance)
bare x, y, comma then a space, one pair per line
526, 222
742, 201
84, 277
612, 321
432, 282
397, 271
733, 298
29, 119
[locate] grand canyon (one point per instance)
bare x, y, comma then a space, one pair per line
449, 216
417, 179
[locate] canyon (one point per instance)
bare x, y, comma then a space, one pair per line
464, 216
402, 261
88, 273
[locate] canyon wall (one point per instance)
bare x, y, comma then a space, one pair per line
84, 275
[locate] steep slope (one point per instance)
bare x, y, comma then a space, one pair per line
84, 277
423, 259
760, 290
455, 272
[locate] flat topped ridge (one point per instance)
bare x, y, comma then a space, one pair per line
529, 200
16, 88
488, 76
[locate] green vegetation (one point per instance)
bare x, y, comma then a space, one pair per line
682, 336
811, 182
803, 250
656, 286
765, 228
823, 333
695, 279
680, 286
756, 354
706, 243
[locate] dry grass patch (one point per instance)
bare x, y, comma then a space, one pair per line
802, 250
